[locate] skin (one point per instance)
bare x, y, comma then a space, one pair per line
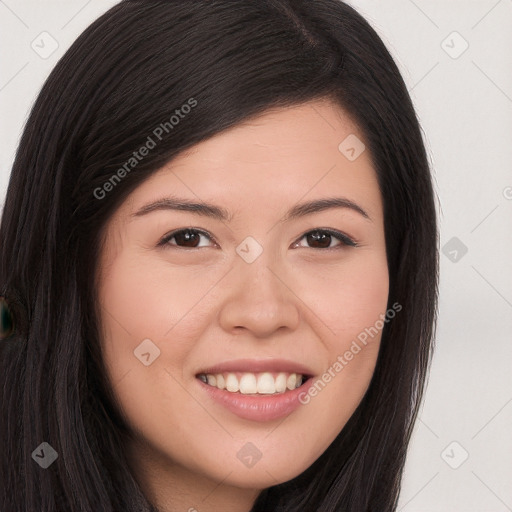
205, 305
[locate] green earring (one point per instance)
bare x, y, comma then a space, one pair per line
6, 321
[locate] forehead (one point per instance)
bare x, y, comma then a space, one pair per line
284, 155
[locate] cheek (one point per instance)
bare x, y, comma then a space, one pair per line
349, 297
147, 318
349, 305
140, 310
150, 315
148, 298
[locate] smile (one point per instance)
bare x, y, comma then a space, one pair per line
264, 383
256, 390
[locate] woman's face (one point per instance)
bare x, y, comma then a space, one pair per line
251, 299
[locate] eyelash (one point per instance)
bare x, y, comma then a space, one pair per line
344, 239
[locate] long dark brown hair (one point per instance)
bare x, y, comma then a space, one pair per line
125, 75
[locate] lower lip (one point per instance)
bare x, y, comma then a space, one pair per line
258, 408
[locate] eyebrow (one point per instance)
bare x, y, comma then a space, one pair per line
219, 213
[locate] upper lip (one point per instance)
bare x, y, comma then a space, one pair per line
256, 366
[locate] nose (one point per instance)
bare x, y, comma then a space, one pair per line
260, 299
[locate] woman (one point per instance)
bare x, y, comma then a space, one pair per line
219, 266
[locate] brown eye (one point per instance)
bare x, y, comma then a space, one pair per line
323, 239
188, 238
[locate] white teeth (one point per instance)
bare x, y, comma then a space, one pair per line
221, 383
254, 383
232, 383
281, 383
266, 384
248, 383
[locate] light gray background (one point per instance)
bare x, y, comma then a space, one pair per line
464, 102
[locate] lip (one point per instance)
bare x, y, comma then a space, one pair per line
259, 408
